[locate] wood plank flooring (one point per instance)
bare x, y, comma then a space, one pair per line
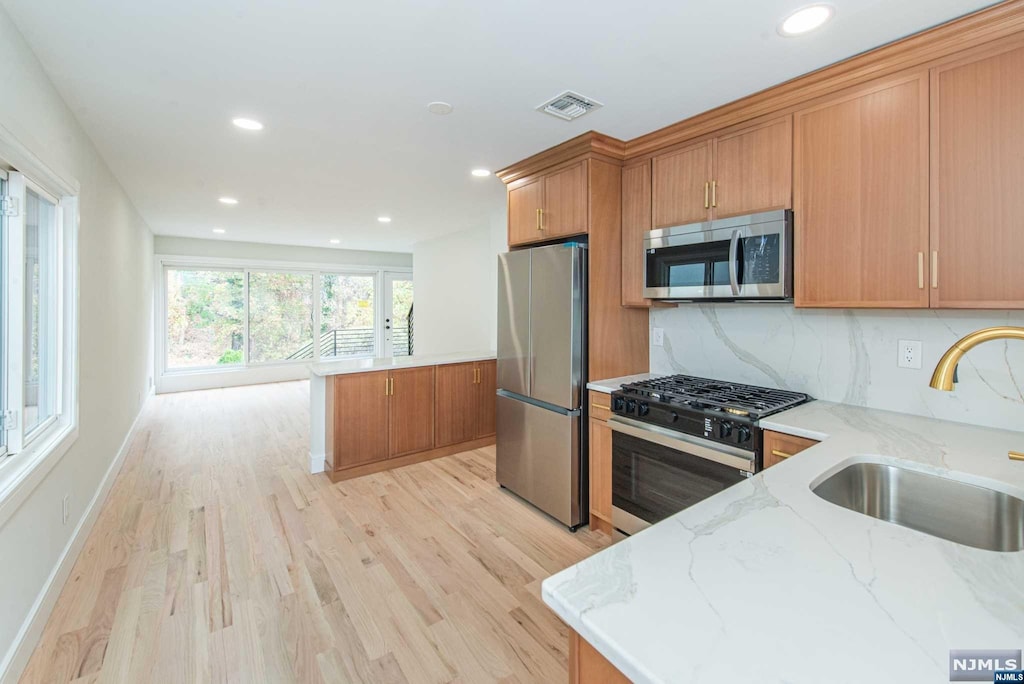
218, 558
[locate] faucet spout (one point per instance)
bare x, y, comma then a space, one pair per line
942, 378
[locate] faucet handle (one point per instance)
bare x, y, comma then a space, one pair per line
1016, 456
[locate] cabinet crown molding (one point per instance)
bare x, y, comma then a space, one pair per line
590, 143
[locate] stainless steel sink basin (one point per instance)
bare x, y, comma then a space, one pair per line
946, 508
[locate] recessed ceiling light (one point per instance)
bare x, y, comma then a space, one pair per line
481, 173
439, 108
228, 200
806, 19
219, 231
384, 219
335, 242
248, 124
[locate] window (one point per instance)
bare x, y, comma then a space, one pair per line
227, 315
205, 317
346, 315
37, 332
280, 316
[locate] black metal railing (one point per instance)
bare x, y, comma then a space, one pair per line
354, 342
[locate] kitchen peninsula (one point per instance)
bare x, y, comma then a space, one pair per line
374, 414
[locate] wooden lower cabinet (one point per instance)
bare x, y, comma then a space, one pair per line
386, 419
600, 467
778, 446
587, 666
487, 389
359, 419
412, 410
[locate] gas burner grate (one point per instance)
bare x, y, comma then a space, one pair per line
755, 401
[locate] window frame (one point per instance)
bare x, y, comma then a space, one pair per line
165, 261
30, 455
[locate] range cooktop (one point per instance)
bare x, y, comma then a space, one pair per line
703, 394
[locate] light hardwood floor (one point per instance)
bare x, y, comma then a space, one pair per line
218, 558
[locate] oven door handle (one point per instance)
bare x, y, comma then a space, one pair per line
734, 249
719, 453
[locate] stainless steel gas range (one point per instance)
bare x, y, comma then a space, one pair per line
679, 439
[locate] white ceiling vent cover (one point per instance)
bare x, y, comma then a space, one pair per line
569, 106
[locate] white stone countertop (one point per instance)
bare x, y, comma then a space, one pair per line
374, 364
767, 582
612, 384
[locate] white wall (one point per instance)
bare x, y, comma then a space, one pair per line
848, 356
115, 259
456, 290
256, 251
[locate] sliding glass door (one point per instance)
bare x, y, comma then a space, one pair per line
347, 315
280, 316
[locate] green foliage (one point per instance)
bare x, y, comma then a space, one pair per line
230, 356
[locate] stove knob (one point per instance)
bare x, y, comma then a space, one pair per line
741, 434
630, 406
724, 430
618, 404
644, 409
673, 417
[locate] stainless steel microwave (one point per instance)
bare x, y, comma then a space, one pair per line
738, 258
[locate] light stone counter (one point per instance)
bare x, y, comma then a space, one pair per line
613, 384
767, 582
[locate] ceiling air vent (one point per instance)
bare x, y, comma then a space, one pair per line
569, 106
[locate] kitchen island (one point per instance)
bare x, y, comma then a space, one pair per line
373, 414
768, 582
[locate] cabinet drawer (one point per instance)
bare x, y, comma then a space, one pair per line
600, 405
778, 446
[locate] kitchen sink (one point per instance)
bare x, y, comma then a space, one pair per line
957, 511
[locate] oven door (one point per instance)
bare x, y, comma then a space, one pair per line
655, 475
745, 257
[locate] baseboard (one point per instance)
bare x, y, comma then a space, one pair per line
18, 654
316, 463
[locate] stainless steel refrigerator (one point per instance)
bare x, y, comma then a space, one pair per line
542, 342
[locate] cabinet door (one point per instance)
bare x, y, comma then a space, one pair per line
681, 191
360, 419
778, 446
412, 410
455, 404
524, 205
754, 170
487, 399
977, 176
565, 202
636, 220
600, 475
861, 190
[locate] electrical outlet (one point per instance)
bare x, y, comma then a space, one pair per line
65, 509
658, 337
909, 354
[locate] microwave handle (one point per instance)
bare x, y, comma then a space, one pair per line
734, 248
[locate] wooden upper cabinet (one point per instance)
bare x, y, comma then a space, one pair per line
977, 218
412, 410
565, 202
551, 206
524, 207
360, 418
636, 220
861, 198
487, 403
682, 186
753, 170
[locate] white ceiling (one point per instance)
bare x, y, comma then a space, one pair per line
343, 87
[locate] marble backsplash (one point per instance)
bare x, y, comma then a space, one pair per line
848, 356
